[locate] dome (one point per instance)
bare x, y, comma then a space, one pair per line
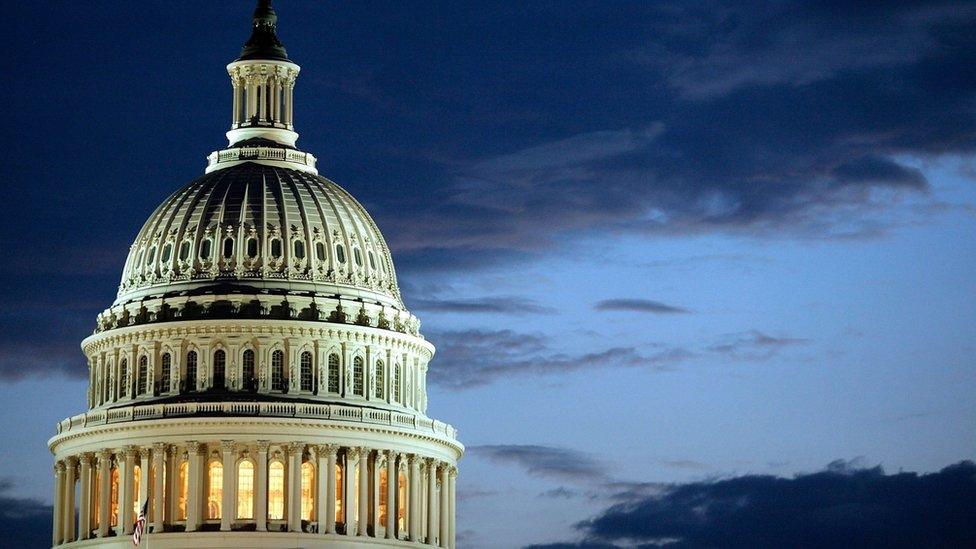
261, 228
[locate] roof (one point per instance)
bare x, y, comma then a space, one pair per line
264, 42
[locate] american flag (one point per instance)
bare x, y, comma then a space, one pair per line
140, 524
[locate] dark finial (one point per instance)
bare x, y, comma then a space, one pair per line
264, 42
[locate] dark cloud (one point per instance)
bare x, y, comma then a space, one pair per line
468, 358
545, 461
485, 305
754, 345
638, 306
843, 506
23, 522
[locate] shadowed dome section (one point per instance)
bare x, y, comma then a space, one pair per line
264, 227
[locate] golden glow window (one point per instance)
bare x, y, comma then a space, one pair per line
402, 498
245, 490
338, 493
308, 490
113, 510
215, 477
136, 480
183, 488
383, 501
276, 491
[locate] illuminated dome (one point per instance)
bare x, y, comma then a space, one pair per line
257, 381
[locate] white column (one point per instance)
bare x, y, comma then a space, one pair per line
413, 511
194, 489
263, 108
126, 475
84, 506
235, 118
227, 508
276, 90
261, 506
444, 507
58, 496
431, 500
289, 105
68, 500
363, 499
452, 508
158, 490
329, 503
321, 487
294, 499
392, 477
104, 490
349, 495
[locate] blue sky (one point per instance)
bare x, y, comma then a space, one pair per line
656, 245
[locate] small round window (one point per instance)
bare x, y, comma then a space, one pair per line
205, 248
276, 247
252, 247
320, 251
358, 256
299, 249
167, 252
340, 254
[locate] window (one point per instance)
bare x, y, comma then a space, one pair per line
205, 247
299, 249
357, 376
384, 504
333, 373
191, 371
338, 492
308, 491
152, 482
137, 478
139, 258
245, 490
306, 374
278, 371
372, 262
250, 383
340, 254
358, 256
276, 491
215, 479
167, 252
228, 248
167, 372
124, 378
380, 380
252, 247
151, 256
401, 515
276, 247
182, 490
113, 511
143, 375
320, 251
219, 369
396, 383
97, 496
184, 250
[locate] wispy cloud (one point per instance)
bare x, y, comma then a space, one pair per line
754, 345
509, 305
547, 461
638, 306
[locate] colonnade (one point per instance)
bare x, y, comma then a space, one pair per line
263, 98
257, 485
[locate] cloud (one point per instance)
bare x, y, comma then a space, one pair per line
23, 522
469, 358
754, 345
484, 305
545, 461
559, 493
843, 506
638, 306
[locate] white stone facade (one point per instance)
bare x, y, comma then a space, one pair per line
257, 381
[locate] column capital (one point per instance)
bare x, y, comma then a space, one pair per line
263, 446
160, 448
295, 448
453, 470
128, 451
328, 450
193, 447
104, 455
70, 461
145, 451
227, 446
86, 458
59, 466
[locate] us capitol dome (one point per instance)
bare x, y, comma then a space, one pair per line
257, 381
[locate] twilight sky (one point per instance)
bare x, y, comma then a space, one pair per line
674, 256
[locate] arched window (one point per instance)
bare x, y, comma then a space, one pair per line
228, 248
247, 361
340, 253
183, 489
123, 378
278, 371
205, 248
191, 371
167, 372
338, 492
113, 510
143, 374
402, 498
308, 491
276, 490
215, 480
358, 256
136, 479
252, 247
275, 248
396, 383
219, 369
333, 373
380, 380
299, 249
357, 376
320, 251
306, 371
185, 250
167, 252
384, 504
245, 490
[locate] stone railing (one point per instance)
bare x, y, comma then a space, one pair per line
238, 154
337, 412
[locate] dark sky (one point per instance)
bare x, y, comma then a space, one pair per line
658, 246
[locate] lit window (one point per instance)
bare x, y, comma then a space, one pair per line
215, 477
276, 247
340, 254
167, 252
183, 490
320, 251
143, 375
250, 383
205, 248
402, 498
359, 257
278, 371
252, 247
333, 373
167, 369
308, 489
136, 479
245, 490
113, 511
228, 248
380, 379
299, 249
357, 376
219, 369
191, 371
276, 491
384, 504
306, 375
338, 492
